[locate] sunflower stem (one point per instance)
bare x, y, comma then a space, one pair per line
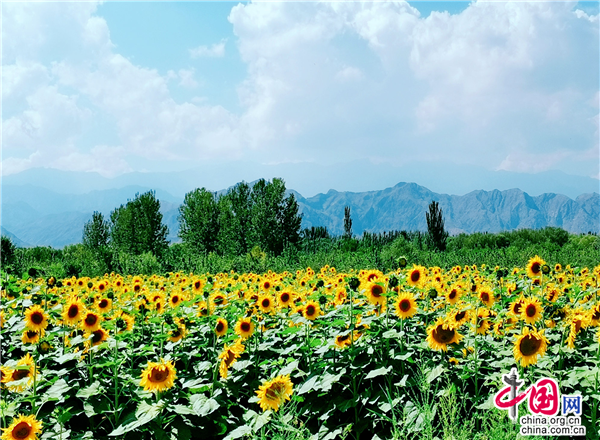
116, 374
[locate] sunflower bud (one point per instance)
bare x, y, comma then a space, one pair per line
402, 262
545, 269
393, 282
353, 283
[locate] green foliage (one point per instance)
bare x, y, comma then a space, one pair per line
199, 221
96, 233
8, 250
347, 223
245, 217
437, 235
137, 227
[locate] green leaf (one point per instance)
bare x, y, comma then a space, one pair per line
379, 372
435, 373
288, 368
144, 414
93, 390
239, 432
309, 385
203, 405
329, 379
57, 390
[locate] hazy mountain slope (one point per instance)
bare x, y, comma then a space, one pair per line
40, 217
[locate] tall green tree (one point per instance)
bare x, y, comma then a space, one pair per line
96, 232
437, 235
347, 223
199, 221
137, 227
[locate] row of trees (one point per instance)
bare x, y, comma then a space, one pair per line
227, 224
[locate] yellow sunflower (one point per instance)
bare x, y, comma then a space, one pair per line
35, 318
416, 276
532, 310
516, 307
453, 294
440, 334
530, 345
177, 334
534, 267
158, 376
228, 357
275, 392
284, 299
578, 319
124, 322
343, 341
265, 303
31, 336
311, 310
73, 311
458, 317
22, 428
406, 305
481, 321
25, 368
244, 327
104, 305
96, 337
90, 321
221, 327
374, 293
486, 296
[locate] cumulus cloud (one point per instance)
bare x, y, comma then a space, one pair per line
510, 85
214, 51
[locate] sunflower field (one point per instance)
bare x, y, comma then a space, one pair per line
418, 352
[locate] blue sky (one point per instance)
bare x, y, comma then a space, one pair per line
117, 87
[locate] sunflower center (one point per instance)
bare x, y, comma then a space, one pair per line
485, 297
371, 277
343, 338
274, 391
536, 267
310, 310
285, 297
91, 319
22, 430
267, 285
460, 315
414, 277
96, 336
245, 326
443, 336
266, 303
517, 308
103, 304
219, 300
220, 327
530, 310
577, 325
376, 291
452, 294
197, 285
530, 345
158, 376
175, 299
230, 358
73, 311
19, 374
136, 288
37, 318
31, 334
405, 305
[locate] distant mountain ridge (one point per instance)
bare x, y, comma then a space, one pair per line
36, 216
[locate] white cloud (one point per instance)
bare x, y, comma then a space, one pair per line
509, 85
216, 50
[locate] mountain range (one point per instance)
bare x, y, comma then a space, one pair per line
36, 216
